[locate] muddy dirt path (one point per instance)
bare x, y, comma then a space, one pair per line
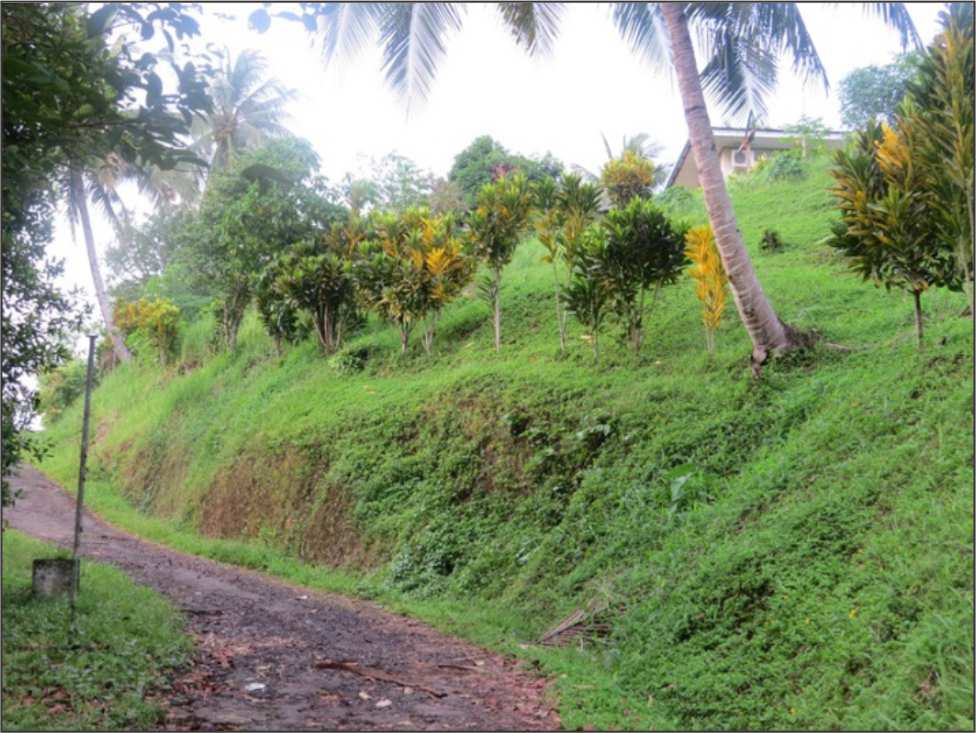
271, 656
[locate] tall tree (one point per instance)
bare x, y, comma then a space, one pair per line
248, 108
874, 92
78, 211
741, 43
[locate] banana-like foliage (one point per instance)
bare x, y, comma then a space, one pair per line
711, 282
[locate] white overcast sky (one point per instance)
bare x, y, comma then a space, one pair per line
591, 83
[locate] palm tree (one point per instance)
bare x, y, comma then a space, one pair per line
78, 191
742, 43
100, 181
248, 107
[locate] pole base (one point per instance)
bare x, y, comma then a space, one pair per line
52, 578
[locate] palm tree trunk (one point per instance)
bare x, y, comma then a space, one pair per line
768, 333
80, 202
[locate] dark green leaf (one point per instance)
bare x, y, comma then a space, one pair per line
99, 20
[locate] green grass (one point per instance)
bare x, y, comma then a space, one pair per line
127, 637
790, 553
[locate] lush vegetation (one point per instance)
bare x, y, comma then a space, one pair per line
790, 551
71, 106
97, 677
794, 552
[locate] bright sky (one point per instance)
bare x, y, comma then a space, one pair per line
591, 83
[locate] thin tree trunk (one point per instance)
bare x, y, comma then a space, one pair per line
231, 324
560, 318
430, 331
767, 332
404, 336
918, 317
80, 202
498, 309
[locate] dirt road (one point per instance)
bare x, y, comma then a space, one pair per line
271, 656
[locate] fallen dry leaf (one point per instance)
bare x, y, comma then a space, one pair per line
364, 695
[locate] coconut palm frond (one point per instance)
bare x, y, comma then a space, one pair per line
606, 146
105, 197
641, 25
740, 73
412, 36
248, 107
896, 16
534, 25
348, 26
742, 42
782, 24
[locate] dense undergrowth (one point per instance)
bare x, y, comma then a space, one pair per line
793, 552
96, 677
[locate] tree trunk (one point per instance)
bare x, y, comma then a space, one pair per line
767, 332
404, 336
80, 202
231, 324
498, 309
429, 332
918, 317
560, 317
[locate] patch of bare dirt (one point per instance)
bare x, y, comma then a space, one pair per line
271, 656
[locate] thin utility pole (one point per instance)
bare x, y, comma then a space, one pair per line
81, 473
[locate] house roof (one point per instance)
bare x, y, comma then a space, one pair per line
726, 136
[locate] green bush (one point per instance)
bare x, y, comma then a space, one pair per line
785, 165
150, 325
771, 241
60, 387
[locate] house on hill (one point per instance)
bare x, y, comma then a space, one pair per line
739, 150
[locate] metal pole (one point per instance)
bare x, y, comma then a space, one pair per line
81, 470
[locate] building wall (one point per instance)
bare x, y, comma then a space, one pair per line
688, 175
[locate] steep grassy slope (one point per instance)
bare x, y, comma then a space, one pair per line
790, 553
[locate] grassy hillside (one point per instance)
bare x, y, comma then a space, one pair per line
790, 553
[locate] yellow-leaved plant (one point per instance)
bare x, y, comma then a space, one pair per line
710, 279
